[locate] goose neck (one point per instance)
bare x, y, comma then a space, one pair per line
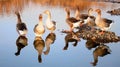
77, 13
89, 13
99, 15
19, 18
40, 22
68, 14
49, 16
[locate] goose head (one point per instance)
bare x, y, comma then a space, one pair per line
47, 12
40, 17
98, 11
17, 13
67, 10
90, 10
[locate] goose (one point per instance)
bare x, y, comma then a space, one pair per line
71, 37
100, 51
51, 25
103, 23
39, 28
21, 42
50, 39
90, 21
91, 44
87, 18
79, 16
39, 45
21, 26
71, 21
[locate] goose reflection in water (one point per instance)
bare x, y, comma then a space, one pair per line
21, 42
91, 44
50, 39
39, 45
100, 51
71, 37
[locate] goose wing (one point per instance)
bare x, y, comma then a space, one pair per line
83, 16
107, 22
21, 26
73, 20
54, 22
35, 27
92, 17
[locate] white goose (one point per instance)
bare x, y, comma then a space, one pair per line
39, 28
21, 26
103, 23
51, 25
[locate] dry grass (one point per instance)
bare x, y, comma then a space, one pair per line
9, 6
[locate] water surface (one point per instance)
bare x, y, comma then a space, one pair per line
73, 57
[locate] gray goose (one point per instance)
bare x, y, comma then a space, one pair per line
21, 42
21, 26
71, 21
87, 18
100, 51
103, 23
79, 16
